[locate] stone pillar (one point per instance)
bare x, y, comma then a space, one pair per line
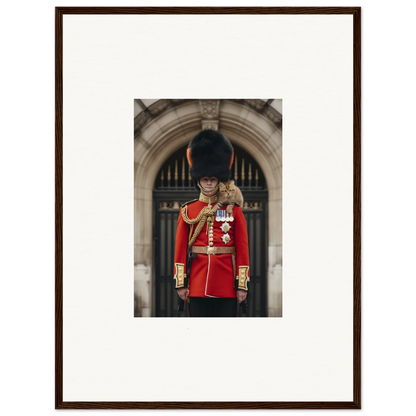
142, 292
274, 274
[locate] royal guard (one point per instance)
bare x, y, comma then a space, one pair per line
211, 268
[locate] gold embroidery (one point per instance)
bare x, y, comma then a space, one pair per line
208, 199
243, 277
179, 275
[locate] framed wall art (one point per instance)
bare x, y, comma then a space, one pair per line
134, 86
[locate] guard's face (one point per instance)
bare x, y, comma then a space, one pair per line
208, 183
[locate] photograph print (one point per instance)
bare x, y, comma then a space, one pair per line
208, 208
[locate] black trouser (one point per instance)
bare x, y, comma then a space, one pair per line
212, 307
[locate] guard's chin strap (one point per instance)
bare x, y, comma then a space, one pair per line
206, 190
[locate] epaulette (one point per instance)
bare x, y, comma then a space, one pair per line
186, 203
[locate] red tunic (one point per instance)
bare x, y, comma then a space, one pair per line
212, 275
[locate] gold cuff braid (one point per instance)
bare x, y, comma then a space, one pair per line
242, 277
179, 275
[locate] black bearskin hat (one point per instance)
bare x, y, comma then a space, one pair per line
210, 154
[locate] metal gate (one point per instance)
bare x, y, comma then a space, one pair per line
174, 187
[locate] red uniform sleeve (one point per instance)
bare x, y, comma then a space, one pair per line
242, 251
181, 246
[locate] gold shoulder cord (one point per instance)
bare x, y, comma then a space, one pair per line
206, 214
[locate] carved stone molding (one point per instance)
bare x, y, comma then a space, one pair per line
210, 109
155, 110
209, 125
210, 113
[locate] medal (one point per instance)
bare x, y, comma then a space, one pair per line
217, 217
220, 215
226, 238
225, 227
223, 215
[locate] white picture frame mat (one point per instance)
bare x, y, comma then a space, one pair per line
305, 60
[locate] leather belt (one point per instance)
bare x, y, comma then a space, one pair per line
213, 250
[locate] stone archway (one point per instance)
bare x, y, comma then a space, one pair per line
171, 127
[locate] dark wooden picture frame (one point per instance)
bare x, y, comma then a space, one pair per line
355, 12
